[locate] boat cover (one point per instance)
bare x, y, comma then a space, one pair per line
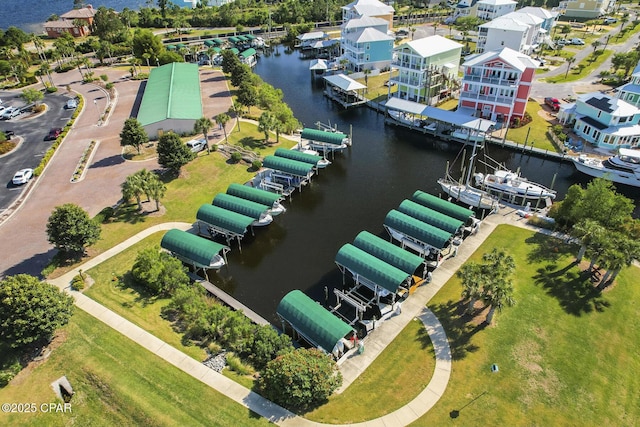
194, 248
417, 229
368, 266
311, 320
387, 252
240, 205
224, 219
257, 195
292, 167
336, 138
298, 155
442, 206
430, 216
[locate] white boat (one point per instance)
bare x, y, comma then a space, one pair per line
512, 187
623, 168
467, 194
321, 163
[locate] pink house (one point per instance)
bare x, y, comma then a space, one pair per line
496, 84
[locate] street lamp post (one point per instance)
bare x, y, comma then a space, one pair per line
95, 102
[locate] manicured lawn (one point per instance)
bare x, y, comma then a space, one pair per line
576, 74
132, 301
117, 383
537, 130
398, 375
567, 355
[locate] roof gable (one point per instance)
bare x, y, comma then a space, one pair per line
429, 46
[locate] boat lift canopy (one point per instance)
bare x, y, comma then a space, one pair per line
222, 221
442, 206
254, 194
421, 231
374, 270
431, 216
312, 321
240, 205
199, 252
299, 156
335, 138
388, 252
291, 167
456, 118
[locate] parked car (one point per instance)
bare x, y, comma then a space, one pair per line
389, 83
10, 113
197, 145
561, 42
22, 176
71, 104
53, 134
577, 41
609, 20
553, 103
8, 134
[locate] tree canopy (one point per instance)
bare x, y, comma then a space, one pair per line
31, 310
159, 271
172, 153
70, 229
133, 134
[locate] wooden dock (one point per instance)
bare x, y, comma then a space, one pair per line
229, 300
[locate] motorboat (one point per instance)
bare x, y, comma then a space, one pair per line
512, 187
321, 163
623, 168
468, 195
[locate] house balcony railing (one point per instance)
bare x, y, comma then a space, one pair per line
490, 80
408, 82
409, 65
487, 98
353, 48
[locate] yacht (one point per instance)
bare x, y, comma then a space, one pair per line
623, 168
512, 187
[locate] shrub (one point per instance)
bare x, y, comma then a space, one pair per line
235, 364
52, 89
77, 283
105, 215
236, 157
9, 373
256, 164
39, 108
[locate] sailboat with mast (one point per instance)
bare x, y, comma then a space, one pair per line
464, 192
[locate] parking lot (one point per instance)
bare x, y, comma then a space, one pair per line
32, 130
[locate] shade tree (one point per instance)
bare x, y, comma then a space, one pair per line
173, 154
70, 229
133, 134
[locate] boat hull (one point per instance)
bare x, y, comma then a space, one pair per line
597, 170
468, 195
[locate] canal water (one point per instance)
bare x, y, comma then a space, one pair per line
384, 166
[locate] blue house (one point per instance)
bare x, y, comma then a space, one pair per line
630, 92
603, 120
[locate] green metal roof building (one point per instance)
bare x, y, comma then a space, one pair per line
171, 100
312, 321
194, 250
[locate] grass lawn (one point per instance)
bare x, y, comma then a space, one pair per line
132, 301
117, 383
567, 355
397, 376
576, 73
537, 130
376, 90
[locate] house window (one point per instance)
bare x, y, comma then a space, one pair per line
366, 58
367, 46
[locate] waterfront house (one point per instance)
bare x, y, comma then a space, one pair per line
548, 17
496, 84
366, 44
603, 120
516, 30
427, 68
492, 9
76, 22
585, 8
630, 92
370, 8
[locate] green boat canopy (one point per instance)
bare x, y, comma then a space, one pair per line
442, 206
234, 50
224, 219
373, 269
263, 197
217, 49
250, 36
335, 138
248, 53
209, 43
234, 39
430, 216
218, 41
239, 205
171, 47
292, 167
317, 325
387, 252
181, 45
419, 230
242, 38
200, 251
312, 159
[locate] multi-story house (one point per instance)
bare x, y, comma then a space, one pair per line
492, 9
515, 30
465, 8
371, 8
603, 120
427, 68
366, 44
585, 8
548, 17
496, 84
630, 92
76, 22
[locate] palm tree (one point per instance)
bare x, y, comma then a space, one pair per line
435, 27
471, 275
499, 295
222, 120
146, 56
569, 62
587, 231
620, 253
266, 124
133, 187
155, 189
366, 73
236, 110
203, 124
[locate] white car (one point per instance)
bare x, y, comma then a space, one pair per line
22, 176
10, 113
197, 145
71, 104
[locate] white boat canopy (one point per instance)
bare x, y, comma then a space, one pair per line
318, 64
315, 35
344, 82
456, 118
